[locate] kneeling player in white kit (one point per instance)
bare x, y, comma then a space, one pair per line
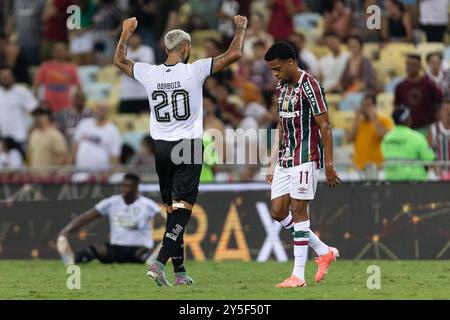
130, 218
175, 96
297, 150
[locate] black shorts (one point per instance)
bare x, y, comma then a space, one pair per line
179, 177
125, 254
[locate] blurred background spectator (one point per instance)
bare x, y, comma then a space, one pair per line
68, 119
434, 18
10, 155
281, 25
47, 146
419, 94
338, 20
146, 154
256, 32
366, 134
438, 73
396, 23
16, 102
81, 40
97, 142
439, 139
55, 78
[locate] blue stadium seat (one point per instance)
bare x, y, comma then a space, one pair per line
351, 101
88, 75
307, 21
98, 91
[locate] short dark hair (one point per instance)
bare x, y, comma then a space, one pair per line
401, 115
132, 176
371, 96
280, 50
435, 53
41, 111
415, 56
357, 38
330, 34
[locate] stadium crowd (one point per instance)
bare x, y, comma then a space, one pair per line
62, 103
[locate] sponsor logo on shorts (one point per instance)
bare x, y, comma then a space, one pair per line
302, 190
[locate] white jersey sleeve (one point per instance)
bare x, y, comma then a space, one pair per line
202, 68
142, 71
104, 206
152, 208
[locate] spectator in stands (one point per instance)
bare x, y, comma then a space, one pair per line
146, 155
144, 11
106, 29
396, 24
281, 24
404, 144
210, 119
81, 40
10, 156
97, 142
332, 66
256, 32
253, 104
203, 14
24, 21
46, 145
305, 55
133, 96
439, 139
55, 78
213, 48
418, 93
229, 111
12, 57
68, 119
15, 104
228, 9
358, 75
366, 134
359, 24
165, 20
437, 72
54, 18
338, 20
434, 18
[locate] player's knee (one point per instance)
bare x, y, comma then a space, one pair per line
299, 210
278, 213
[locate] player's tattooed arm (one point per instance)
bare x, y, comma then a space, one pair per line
80, 221
120, 57
323, 120
234, 52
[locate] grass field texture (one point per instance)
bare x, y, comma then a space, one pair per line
226, 280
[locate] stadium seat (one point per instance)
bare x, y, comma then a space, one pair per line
393, 57
88, 75
98, 91
125, 122
372, 50
199, 36
390, 86
351, 101
342, 119
385, 103
108, 74
307, 21
333, 100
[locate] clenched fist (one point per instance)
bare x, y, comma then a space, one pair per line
240, 22
129, 26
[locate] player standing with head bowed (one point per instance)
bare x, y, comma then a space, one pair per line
176, 101
303, 140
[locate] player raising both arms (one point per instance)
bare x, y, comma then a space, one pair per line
298, 153
175, 95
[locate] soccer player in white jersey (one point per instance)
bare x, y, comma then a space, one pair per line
130, 216
174, 91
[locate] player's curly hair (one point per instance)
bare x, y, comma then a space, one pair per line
280, 50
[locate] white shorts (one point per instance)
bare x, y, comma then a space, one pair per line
82, 43
299, 182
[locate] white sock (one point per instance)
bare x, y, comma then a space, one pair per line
301, 242
319, 247
288, 223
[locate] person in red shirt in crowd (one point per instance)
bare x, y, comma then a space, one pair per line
281, 24
55, 78
419, 94
54, 18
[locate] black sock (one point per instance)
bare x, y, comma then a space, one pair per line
85, 255
173, 236
178, 260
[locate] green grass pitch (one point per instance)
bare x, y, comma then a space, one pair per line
47, 279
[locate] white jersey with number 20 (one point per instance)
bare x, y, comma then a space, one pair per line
175, 96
